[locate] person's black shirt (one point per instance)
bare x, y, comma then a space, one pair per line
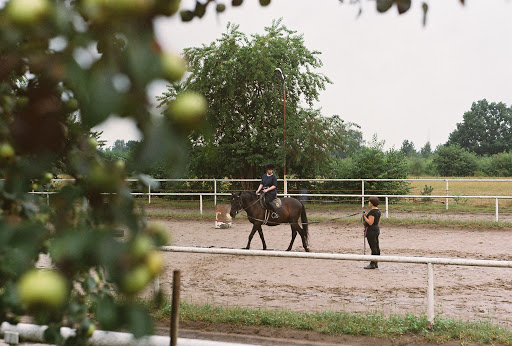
376, 219
268, 181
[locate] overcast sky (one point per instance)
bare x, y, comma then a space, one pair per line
391, 75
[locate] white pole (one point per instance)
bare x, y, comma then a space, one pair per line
497, 209
35, 333
149, 194
201, 204
362, 193
447, 193
387, 209
338, 256
215, 191
430, 294
156, 284
285, 187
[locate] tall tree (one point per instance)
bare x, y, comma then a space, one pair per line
408, 148
426, 150
485, 129
245, 97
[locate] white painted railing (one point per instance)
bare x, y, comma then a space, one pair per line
35, 333
361, 195
429, 261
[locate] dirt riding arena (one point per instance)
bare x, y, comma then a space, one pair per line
467, 293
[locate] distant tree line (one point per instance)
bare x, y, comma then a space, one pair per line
480, 145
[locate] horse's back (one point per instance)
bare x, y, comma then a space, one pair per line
291, 202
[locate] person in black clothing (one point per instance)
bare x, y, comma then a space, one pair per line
372, 231
269, 186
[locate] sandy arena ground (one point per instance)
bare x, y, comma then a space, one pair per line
322, 285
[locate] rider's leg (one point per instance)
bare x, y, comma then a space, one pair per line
269, 198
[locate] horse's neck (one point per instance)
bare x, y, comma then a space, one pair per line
249, 199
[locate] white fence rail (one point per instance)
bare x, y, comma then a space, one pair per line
429, 261
215, 193
35, 333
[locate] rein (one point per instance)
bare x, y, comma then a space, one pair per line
302, 223
239, 200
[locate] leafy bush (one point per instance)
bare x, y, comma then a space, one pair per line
373, 163
416, 165
452, 160
500, 165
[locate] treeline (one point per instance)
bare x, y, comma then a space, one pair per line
481, 145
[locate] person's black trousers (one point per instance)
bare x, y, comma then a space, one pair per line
373, 240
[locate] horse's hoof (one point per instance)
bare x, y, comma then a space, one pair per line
245, 248
307, 250
289, 249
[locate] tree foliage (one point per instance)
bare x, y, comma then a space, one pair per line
485, 129
245, 117
452, 160
408, 148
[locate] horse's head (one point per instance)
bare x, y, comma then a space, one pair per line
236, 204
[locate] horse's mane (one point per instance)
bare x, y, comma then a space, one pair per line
253, 194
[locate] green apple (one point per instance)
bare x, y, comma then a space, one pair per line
129, 6
159, 233
220, 8
27, 12
91, 330
92, 144
120, 166
173, 67
46, 178
384, 5
135, 280
42, 289
186, 16
141, 246
71, 105
155, 262
168, 7
188, 108
6, 151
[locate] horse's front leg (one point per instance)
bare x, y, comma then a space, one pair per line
260, 232
294, 234
254, 228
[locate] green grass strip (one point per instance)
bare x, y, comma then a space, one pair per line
344, 323
356, 220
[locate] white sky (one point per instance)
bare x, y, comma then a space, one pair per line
391, 75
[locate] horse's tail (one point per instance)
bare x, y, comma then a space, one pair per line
304, 220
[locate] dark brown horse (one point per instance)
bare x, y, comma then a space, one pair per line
290, 211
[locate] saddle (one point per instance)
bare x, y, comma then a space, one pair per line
276, 202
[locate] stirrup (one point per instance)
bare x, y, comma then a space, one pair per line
275, 215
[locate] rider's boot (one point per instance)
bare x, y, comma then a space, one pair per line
274, 214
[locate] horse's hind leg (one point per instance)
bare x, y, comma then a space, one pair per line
260, 232
294, 234
254, 228
304, 244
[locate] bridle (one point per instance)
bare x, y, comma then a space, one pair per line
240, 205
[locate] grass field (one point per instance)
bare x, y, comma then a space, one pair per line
343, 323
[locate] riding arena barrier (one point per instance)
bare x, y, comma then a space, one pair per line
35, 333
362, 195
429, 261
